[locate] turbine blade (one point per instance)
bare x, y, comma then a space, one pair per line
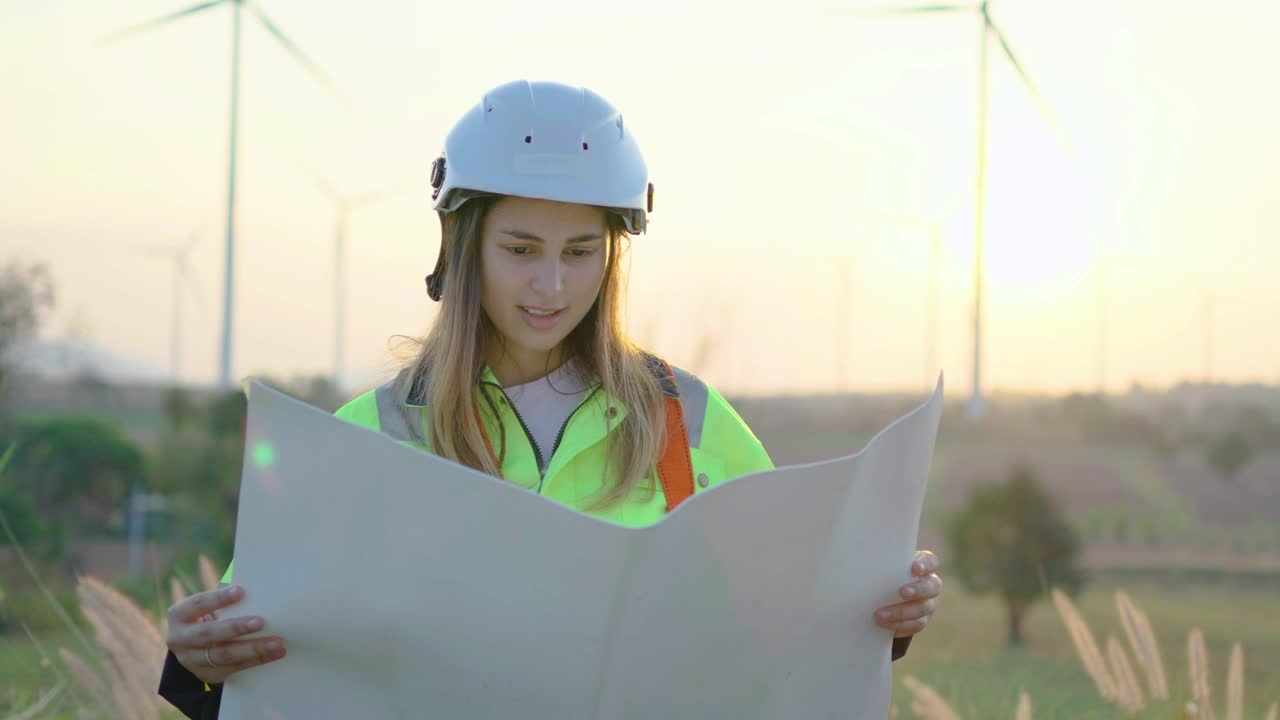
1031, 88
1013, 58
321, 76
116, 36
323, 185
153, 250
1022, 73
191, 282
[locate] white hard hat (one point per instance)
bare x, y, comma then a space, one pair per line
544, 140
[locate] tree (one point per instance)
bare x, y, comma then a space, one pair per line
1230, 452
22, 523
33, 534
197, 462
179, 407
76, 471
1011, 539
25, 293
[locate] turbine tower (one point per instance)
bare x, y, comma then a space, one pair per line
344, 204
182, 277
228, 289
977, 402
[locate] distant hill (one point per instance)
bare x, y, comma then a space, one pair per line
66, 360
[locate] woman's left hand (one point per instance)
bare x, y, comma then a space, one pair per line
921, 595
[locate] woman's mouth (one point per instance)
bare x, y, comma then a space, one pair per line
540, 318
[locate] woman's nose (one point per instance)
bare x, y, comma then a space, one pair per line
549, 276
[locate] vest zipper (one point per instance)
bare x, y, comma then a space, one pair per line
537, 453
565, 426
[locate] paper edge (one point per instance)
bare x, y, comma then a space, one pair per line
254, 384
936, 394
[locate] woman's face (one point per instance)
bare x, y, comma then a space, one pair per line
542, 264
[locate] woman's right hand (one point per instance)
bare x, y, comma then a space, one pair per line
209, 646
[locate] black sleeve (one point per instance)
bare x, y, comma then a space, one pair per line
187, 692
900, 646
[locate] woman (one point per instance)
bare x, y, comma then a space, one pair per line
526, 373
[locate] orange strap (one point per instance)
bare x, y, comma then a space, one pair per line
675, 467
487, 442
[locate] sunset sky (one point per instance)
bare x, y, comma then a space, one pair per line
789, 147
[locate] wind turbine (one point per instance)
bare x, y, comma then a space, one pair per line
844, 286
344, 205
932, 226
1100, 344
976, 405
224, 363
1207, 301
181, 272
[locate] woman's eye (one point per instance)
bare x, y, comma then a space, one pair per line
519, 250
580, 252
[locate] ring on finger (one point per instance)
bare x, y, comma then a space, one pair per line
207, 658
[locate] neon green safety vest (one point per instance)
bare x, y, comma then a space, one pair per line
721, 446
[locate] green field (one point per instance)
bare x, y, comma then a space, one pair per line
962, 654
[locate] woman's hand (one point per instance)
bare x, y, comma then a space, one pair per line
208, 646
910, 617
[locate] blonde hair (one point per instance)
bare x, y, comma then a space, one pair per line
448, 364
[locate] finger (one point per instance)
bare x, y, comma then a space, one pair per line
921, 589
910, 628
201, 635
888, 616
925, 563
191, 609
247, 653
230, 657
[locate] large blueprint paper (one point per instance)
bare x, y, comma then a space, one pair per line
407, 586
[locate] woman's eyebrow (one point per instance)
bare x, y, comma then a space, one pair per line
525, 235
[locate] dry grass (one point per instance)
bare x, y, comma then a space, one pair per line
1126, 692
39, 705
176, 591
1115, 677
928, 704
89, 679
130, 647
208, 576
1235, 684
1082, 637
1142, 640
45, 660
1024, 707
1198, 672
